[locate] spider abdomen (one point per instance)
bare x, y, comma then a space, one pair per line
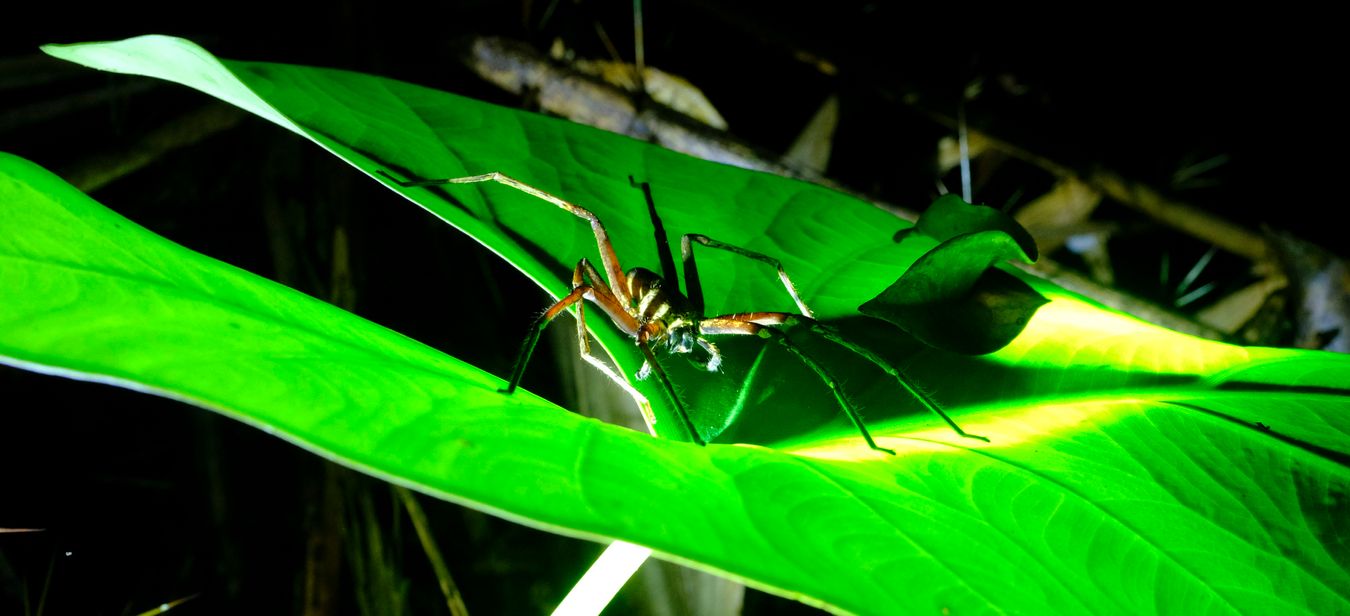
652, 300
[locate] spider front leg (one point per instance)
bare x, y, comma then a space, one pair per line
581, 290
527, 347
660, 373
587, 285
585, 276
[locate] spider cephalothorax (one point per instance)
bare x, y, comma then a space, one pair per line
655, 314
669, 320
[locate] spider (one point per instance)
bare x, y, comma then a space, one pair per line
656, 315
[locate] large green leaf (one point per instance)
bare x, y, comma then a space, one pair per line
1131, 469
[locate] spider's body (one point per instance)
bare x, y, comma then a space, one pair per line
666, 318
652, 311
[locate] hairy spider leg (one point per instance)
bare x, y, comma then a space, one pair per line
612, 298
527, 349
758, 324
695, 289
696, 296
833, 335
669, 387
584, 274
586, 284
608, 258
601, 296
598, 292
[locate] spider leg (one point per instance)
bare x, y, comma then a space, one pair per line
603, 297
670, 389
694, 290
527, 348
608, 258
597, 292
614, 298
586, 285
833, 335
754, 324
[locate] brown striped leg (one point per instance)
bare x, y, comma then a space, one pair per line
584, 275
527, 349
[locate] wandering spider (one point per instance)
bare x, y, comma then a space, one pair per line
656, 315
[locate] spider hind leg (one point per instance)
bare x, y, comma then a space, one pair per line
831, 334
757, 324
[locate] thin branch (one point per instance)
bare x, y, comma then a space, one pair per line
93, 173
453, 599
1180, 215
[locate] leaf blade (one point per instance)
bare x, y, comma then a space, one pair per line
1080, 397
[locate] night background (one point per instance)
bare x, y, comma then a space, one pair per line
145, 500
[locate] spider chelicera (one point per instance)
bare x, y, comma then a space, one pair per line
656, 315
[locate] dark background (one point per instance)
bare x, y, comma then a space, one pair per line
145, 501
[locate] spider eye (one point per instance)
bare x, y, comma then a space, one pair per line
681, 339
